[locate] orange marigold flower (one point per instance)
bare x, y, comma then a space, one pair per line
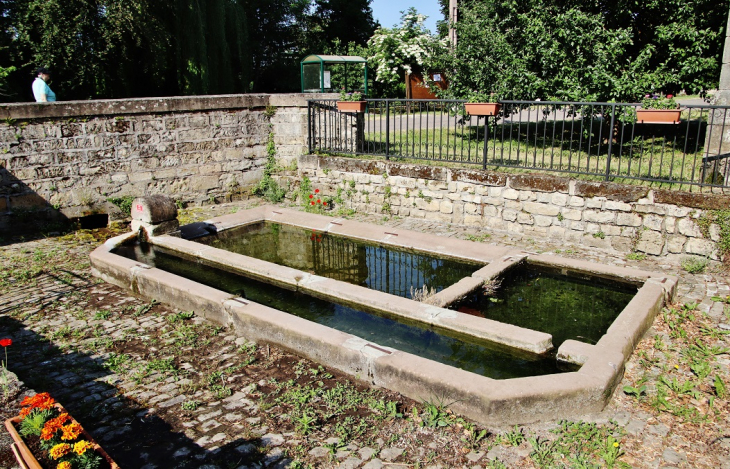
71, 431
60, 450
58, 421
39, 401
48, 431
81, 447
64, 465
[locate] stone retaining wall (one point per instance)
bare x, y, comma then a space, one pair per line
66, 159
604, 215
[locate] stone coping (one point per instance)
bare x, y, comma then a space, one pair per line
497, 402
169, 104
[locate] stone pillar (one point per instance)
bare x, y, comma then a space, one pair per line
717, 140
154, 215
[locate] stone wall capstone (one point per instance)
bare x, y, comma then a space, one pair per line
610, 216
66, 159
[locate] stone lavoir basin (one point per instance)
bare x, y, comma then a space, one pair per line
550, 342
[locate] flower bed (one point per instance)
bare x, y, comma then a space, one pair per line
46, 436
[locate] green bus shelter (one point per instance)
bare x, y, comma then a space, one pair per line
315, 71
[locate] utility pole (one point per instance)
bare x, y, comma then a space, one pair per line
453, 7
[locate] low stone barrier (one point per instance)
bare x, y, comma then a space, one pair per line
604, 215
68, 159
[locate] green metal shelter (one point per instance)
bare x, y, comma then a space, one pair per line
316, 74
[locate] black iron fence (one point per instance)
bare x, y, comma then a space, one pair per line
603, 140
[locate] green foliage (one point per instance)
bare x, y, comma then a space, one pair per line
353, 96
616, 51
190, 405
722, 219
32, 424
694, 264
405, 48
124, 203
436, 414
657, 101
515, 437
636, 256
267, 187
636, 392
126, 48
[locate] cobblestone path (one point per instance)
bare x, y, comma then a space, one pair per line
160, 388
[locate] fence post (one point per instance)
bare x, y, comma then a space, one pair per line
486, 126
387, 129
610, 142
309, 126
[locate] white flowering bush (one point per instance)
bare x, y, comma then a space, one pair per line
405, 48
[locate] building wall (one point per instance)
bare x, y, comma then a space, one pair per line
617, 217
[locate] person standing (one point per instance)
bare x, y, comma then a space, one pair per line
41, 91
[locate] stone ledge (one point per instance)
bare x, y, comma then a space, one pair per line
114, 107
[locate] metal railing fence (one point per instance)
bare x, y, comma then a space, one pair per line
602, 140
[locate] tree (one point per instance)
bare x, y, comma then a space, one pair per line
585, 49
125, 48
348, 21
403, 49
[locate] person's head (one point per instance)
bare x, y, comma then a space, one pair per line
44, 73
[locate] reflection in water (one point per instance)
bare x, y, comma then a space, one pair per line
385, 269
542, 299
481, 358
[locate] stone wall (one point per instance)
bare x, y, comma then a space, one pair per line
611, 216
65, 159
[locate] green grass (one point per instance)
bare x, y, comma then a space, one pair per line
657, 151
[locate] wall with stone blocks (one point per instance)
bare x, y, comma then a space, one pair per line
65, 159
604, 215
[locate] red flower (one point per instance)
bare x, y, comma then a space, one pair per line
6, 342
316, 191
324, 203
669, 96
312, 238
311, 196
312, 203
319, 201
319, 240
